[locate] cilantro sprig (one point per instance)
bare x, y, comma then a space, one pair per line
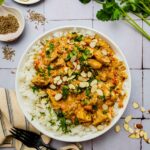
114, 10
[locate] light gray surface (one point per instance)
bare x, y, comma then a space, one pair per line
135, 48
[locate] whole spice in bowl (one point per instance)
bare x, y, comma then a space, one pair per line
8, 24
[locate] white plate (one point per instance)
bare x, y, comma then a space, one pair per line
76, 138
27, 2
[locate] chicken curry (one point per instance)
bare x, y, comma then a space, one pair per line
82, 77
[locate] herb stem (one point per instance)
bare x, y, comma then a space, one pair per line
135, 25
139, 29
141, 17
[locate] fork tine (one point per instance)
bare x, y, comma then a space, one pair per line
19, 135
20, 138
24, 134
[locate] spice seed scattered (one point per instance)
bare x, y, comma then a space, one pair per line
135, 105
8, 52
128, 119
117, 128
37, 18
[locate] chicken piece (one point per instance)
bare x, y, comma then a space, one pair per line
60, 63
93, 100
99, 117
40, 81
55, 104
98, 55
94, 64
82, 115
59, 71
103, 76
53, 56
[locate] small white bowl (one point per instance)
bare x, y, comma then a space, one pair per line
5, 10
29, 2
75, 138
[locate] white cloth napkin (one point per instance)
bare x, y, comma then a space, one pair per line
11, 115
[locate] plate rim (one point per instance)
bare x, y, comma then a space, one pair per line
92, 135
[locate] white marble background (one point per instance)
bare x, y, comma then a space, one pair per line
135, 47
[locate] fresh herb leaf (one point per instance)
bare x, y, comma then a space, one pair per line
105, 111
49, 68
59, 113
95, 107
84, 1
52, 122
111, 11
85, 55
65, 91
71, 54
63, 123
87, 91
76, 121
85, 102
51, 46
35, 88
102, 98
78, 38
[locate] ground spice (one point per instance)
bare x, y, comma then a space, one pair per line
8, 52
37, 18
8, 24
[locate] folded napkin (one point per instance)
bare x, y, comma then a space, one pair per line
12, 116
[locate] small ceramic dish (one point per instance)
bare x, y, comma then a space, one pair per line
26, 2
4, 11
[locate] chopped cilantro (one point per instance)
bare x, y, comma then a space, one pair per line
65, 91
86, 52
49, 68
85, 102
78, 90
78, 38
102, 98
76, 121
52, 122
71, 54
95, 107
85, 55
51, 46
105, 111
35, 88
63, 123
87, 92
